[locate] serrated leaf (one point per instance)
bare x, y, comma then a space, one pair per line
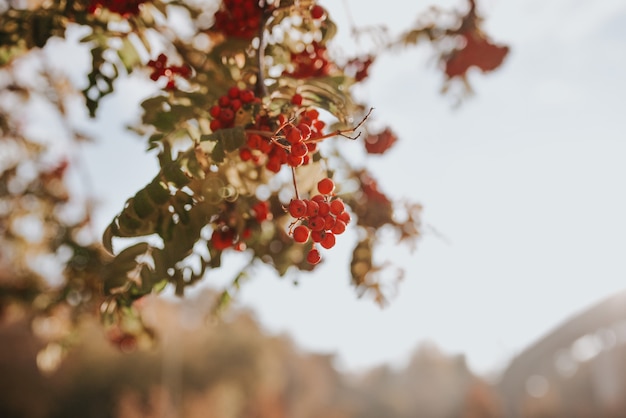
218, 153
143, 205
172, 173
231, 138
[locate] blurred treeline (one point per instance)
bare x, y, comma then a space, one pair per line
233, 368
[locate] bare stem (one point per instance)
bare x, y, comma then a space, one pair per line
343, 132
295, 184
261, 90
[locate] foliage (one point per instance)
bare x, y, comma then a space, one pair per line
254, 114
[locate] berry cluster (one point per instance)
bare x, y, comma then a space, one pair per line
320, 218
359, 67
477, 51
291, 144
225, 234
312, 61
381, 142
161, 69
239, 18
125, 8
224, 112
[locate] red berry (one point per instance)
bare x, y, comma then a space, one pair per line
326, 186
299, 149
215, 125
336, 207
224, 101
328, 241
294, 136
324, 208
312, 208
245, 154
215, 111
297, 208
296, 99
318, 198
317, 12
301, 234
318, 236
313, 257
344, 216
294, 160
305, 130
227, 116
339, 227
246, 96
233, 92
329, 222
317, 223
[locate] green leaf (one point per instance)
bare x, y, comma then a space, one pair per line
158, 192
174, 174
128, 55
143, 205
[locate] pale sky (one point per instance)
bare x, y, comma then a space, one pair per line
525, 181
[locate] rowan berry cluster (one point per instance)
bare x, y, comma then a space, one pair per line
239, 18
225, 233
312, 61
224, 112
320, 218
359, 67
161, 69
291, 143
125, 8
381, 142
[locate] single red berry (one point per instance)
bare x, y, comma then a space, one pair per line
313, 257
318, 198
233, 92
344, 216
294, 136
215, 125
227, 116
299, 149
245, 154
329, 222
339, 227
224, 101
297, 208
235, 104
326, 186
336, 207
312, 208
324, 208
317, 12
294, 160
317, 223
296, 99
305, 130
328, 241
318, 236
301, 234
246, 96
215, 111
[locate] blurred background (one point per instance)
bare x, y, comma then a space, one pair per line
513, 304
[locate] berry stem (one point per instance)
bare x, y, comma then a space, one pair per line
260, 88
343, 132
295, 184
